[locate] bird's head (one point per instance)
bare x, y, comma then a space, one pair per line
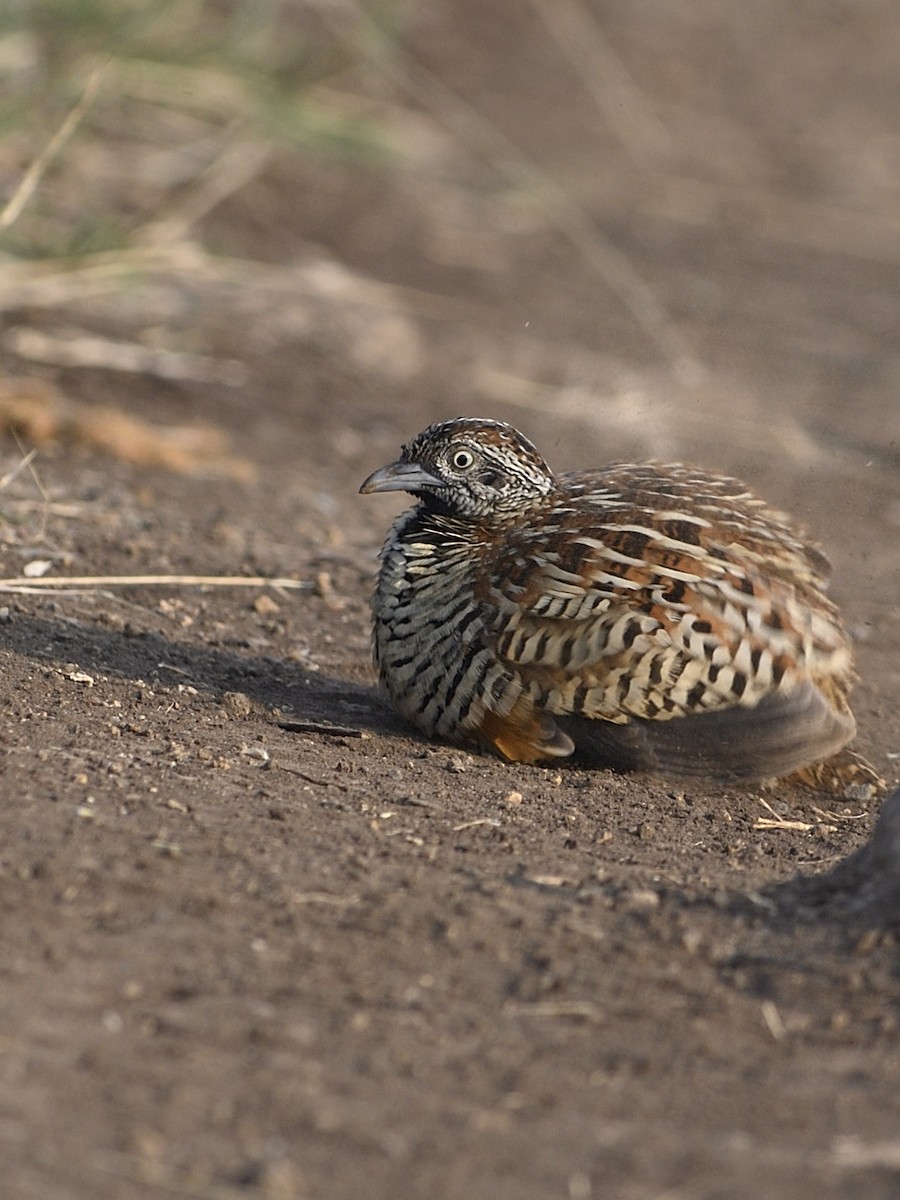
471, 468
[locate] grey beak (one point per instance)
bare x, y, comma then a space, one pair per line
401, 477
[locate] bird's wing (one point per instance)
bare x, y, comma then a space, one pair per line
618, 610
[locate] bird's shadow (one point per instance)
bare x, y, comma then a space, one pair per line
297, 694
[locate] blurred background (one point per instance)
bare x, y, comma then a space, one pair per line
642, 229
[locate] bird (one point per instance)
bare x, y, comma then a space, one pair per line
640, 616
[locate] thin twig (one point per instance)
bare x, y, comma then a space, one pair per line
32, 177
307, 778
321, 727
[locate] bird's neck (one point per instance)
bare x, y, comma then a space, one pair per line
431, 512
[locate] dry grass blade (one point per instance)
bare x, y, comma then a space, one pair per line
324, 898
23, 464
26, 463
70, 583
14, 208
550, 1009
778, 822
773, 1021
826, 814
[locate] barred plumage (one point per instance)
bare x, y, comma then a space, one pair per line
646, 616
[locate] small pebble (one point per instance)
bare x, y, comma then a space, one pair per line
265, 605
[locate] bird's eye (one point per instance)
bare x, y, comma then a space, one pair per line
462, 459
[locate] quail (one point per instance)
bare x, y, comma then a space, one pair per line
645, 617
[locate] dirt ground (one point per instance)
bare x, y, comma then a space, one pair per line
258, 938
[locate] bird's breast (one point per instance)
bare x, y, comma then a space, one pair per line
431, 645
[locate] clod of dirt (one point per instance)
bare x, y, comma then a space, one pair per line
238, 705
458, 764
